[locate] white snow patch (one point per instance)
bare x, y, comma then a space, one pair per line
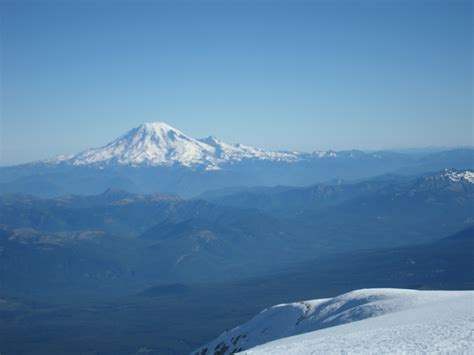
457, 176
369, 321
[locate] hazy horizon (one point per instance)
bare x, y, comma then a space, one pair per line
407, 150
278, 75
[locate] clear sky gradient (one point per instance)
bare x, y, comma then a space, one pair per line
298, 75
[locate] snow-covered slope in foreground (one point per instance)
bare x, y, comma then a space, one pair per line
369, 321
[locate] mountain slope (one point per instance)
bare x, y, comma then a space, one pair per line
149, 144
159, 144
162, 238
288, 200
434, 265
368, 320
370, 213
137, 239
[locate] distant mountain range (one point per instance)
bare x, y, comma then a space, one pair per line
289, 200
124, 241
171, 273
156, 157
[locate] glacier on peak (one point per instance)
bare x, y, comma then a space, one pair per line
159, 144
151, 144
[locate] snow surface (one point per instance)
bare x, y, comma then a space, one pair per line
369, 321
159, 144
457, 176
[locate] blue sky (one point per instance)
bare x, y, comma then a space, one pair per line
300, 75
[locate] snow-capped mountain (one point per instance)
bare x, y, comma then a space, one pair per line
149, 144
363, 321
157, 157
458, 176
159, 144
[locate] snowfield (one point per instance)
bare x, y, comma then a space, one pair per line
159, 144
368, 321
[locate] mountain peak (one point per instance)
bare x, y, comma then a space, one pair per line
159, 144
150, 144
156, 126
211, 140
159, 130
